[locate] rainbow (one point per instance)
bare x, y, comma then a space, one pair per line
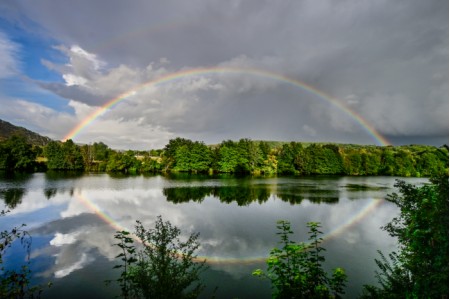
372, 205
379, 139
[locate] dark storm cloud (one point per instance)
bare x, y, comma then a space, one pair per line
386, 60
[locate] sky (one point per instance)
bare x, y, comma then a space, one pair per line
349, 71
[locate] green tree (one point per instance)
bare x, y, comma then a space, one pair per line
123, 162
387, 161
200, 156
295, 269
170, 151
182, 159
370, 162
100, 151
64, 156
249, 155
264, 148
404, 163
228, 157
324, 159
54, 155
290, 154
430, 164
192, 157
151, 164
421, 268
73, 159
352, 162
17, 155
165, 268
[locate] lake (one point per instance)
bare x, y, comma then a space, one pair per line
72, 220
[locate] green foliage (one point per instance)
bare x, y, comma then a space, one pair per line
250, 155
393, 278
95, 156
264, 148
192, 157
289, 154
64, 156
127, 258
17, 155
319, 159
243, 156
123, 162
165, 267
184, 155
229, 157
170, 150
151, 164
352, 162
295, 269
421, 268
257, 157
100, 151
16, 283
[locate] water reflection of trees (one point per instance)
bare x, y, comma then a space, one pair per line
241, 195
50, 192
312, 193
62, 175
185, 194
12, 196
244, 195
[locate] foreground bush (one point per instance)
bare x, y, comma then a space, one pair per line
163, 267
421, 267
295, 269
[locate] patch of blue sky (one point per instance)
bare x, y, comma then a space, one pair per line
34, 46
29, 90
33, 219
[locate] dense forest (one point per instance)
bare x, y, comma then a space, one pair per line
243, 156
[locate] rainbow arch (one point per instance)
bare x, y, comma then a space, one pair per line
377, 137
371, 206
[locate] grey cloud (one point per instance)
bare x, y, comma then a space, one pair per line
68, 225
74, 93
390, 58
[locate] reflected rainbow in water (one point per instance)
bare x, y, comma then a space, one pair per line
371, 206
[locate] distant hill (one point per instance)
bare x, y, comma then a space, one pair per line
7, 130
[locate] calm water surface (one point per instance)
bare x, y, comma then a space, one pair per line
72, 219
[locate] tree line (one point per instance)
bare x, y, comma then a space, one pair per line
243, 156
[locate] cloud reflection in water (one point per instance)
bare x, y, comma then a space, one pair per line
236, 219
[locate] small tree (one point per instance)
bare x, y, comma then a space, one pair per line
165, 267
295, 269
421, 268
